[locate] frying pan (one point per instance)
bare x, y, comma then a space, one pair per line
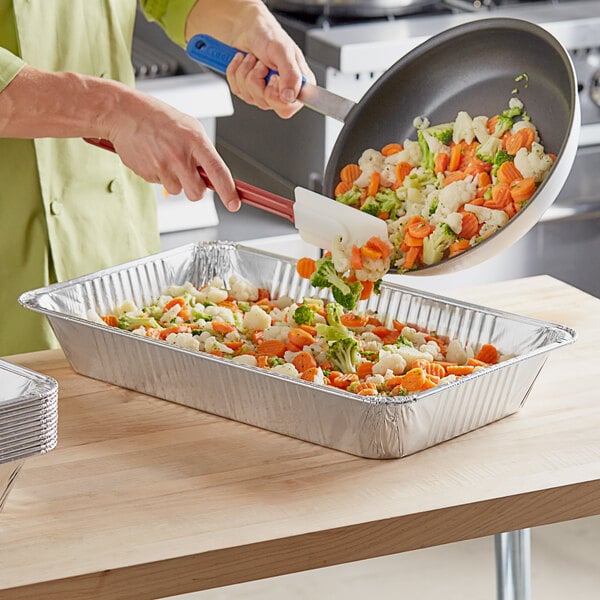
471, 67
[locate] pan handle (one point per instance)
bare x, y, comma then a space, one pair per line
209, 51
249, 194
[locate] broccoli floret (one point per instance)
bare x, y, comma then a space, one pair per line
130, 323
503, 124
153, 311
351, 197
371, 206
344, 355
427, 157
442, 132
436, 243
334, 330
388, 202
502, 156
304, 315
325, 276
402, 341
434, 205
244, 306
275, 360
488, 150
513, 112
198, 314
348, 301
377, 286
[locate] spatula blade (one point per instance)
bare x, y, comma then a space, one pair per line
320, 220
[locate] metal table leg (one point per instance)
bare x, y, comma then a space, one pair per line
513, 565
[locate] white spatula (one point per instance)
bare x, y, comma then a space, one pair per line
319, 219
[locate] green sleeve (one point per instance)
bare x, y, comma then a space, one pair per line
10, 65
171, 15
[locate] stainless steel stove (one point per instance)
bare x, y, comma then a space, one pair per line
349, 53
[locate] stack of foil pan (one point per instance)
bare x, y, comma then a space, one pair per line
368, 426
28, 420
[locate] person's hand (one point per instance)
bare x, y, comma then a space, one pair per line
165, 146
257, 32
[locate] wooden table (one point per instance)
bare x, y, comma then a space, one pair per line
144, 498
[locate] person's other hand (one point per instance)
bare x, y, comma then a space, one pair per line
165, 146
258, 33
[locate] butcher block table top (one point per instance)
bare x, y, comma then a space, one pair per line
144, 498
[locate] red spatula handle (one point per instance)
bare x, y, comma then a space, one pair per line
249, 194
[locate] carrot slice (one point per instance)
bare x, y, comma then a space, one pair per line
390, 149
459, 370
470, 225
367, 290
365, 369
419, 230
411, 257
342, 187
352, 320
458, 246
455, 156
500, 197
369, 252
491, 124
441, 162
412, 241
356, 259
303, 361
488, 353
507, 172
414, 379
171, 303
378, 244
401, 171
522, 189
374, 184
110, 320
300, 338
454, 176
350, 173
222, 327
522, 139
271, 348
305, 267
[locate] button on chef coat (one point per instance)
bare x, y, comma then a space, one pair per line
66, 207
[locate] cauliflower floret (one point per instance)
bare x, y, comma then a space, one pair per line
184, 340
286, 369
373, 268
456, 352
388, 360
409, 354
377, 379
241, 289
140, 331
454, 221
340, 254
170, 314
220, 312
491, 218
388, 175
411, 154
256, 319
370, 341
127, 307
435, 145
515, 103
212, 294
452, 197
285, 302
369, 162
533, 164
277, 332
463, 128
414, 336
447, 379
480, 129
245, 359
432, 348
212, 344
180, 290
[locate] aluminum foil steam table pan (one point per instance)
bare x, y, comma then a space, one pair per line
28, 420
368, 426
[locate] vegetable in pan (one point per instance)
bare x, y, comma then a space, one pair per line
313, 339
442, 194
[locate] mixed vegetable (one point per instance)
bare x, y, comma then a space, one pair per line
440, 194
313, 340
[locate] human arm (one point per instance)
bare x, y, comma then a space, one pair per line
249, 26
156, 141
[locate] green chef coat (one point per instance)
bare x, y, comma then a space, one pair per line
67, 208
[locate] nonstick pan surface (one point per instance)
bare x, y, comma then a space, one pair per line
472, 67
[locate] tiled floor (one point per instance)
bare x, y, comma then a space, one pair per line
565, 566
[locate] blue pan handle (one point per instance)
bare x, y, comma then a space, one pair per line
215, 54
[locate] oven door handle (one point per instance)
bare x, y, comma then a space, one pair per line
589, 210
